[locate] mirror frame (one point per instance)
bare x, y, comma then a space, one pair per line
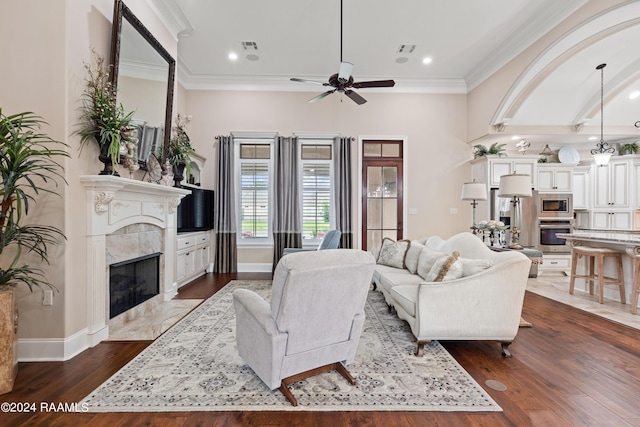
121, 11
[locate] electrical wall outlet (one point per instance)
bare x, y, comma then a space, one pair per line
47, 297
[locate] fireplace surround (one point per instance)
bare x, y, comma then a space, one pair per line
127, 208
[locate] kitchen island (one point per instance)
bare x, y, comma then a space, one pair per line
626, 242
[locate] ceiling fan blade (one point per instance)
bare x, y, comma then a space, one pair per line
376, 83
345, 71
295, 79
355, 97
322, 95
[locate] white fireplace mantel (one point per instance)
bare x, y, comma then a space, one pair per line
113, 203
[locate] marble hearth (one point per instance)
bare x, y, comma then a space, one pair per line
126, 219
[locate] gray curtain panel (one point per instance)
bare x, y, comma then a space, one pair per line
343, 189
226, 251
287, 223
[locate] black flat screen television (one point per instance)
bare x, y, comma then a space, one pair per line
195, 211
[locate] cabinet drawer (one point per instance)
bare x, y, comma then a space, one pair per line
556, 262
203, 238
186, 242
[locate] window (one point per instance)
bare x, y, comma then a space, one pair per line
316, 192
254, 195
254, 180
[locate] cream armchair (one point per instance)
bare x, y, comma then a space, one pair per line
314, 321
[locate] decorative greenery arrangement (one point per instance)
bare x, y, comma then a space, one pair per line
102, 118
27, 161
630, 148
543, 160
495, 148
180, 148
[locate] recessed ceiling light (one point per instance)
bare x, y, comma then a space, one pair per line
634, 94
426, 60
593, 138
233, 56
514, 137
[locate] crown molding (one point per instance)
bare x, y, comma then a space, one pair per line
172, 16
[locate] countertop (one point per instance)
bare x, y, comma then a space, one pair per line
603, 236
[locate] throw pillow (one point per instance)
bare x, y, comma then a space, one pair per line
413, 255
474, 266
427, 258
392, 253
446, 268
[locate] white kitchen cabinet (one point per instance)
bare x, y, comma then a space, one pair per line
612, 185
193, 256
555, 178
581, 187
612, 220
555, 263
505, 166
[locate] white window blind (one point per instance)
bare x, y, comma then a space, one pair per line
316, 199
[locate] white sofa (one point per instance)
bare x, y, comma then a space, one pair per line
485, 305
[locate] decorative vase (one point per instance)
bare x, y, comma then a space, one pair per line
106, 159
178, 174
8, 339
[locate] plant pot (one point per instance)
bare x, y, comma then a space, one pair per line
8, 339
178, 174
106, 159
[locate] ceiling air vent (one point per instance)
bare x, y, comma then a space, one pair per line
406, 48
250, 46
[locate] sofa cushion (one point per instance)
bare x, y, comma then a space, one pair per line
406, 297
474, 266
398, 277
428, 257
412, 257
446, 268
392, 253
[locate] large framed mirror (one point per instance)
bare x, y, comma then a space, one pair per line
143, 73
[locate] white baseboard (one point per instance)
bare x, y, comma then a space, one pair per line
52, 349
254, 267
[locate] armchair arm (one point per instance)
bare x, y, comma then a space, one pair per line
259, 342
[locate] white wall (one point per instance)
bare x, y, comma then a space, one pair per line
434, 125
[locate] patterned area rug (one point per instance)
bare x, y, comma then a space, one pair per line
195, 366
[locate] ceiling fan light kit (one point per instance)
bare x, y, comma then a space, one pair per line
343, 82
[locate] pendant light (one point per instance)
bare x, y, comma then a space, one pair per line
602, 154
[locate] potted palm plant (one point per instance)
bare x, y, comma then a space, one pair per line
630, 148
28, 166
103, 119
180, 150
480, 150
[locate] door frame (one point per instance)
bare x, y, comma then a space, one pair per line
405, 186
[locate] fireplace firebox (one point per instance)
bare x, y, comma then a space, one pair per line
133, 282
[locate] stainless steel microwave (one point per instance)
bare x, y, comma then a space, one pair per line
554, 205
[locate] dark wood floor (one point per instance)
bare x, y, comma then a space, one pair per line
571, 369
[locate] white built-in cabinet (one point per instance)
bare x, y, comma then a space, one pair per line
194, 256
555, 178
614, 200
612, 185
499, 166
581, 188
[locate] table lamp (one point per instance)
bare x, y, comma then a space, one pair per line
516, 186
474, 191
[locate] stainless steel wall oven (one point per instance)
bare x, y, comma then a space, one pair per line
548, 241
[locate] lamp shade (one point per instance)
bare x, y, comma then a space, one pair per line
518, 185
601, 159
474, 191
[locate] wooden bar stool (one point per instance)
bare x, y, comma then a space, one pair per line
635, 292
599, 254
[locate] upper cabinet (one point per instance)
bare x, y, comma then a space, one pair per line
489, 169
612, 185
553, 178
581, 195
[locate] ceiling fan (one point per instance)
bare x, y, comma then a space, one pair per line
343, 81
